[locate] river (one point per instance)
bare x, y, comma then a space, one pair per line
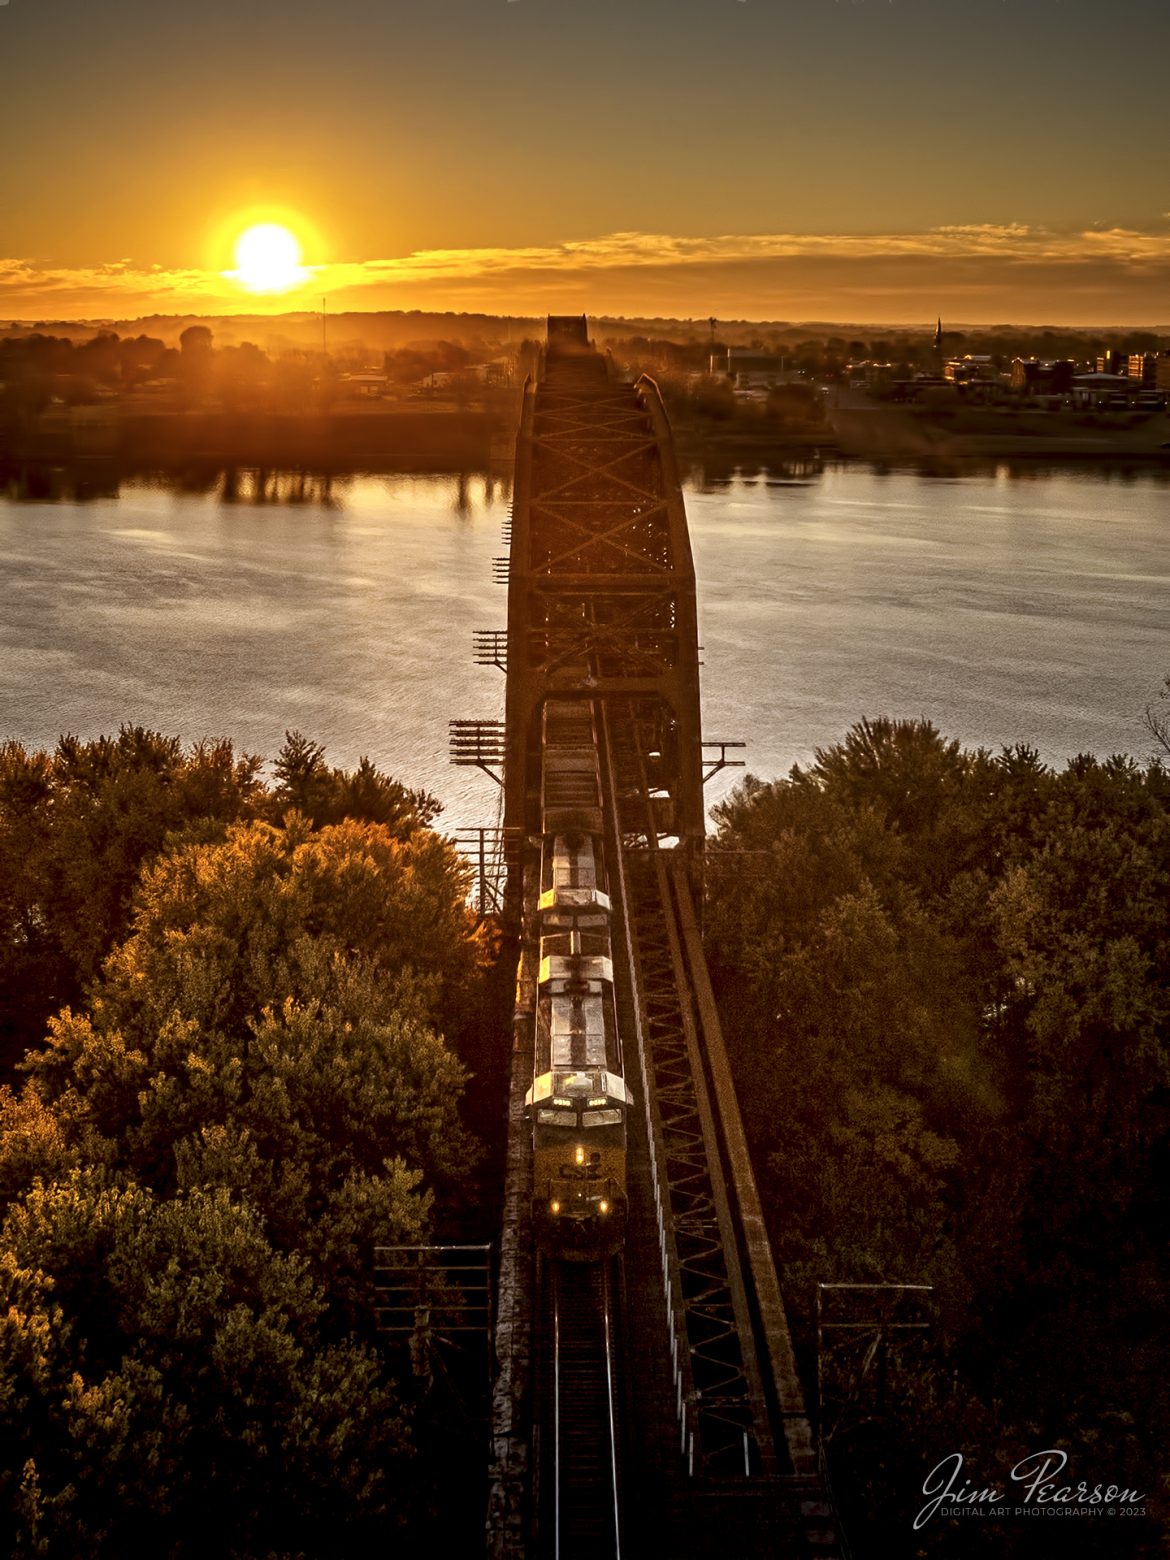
1004, 607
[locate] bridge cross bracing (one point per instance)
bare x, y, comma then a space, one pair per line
707, 1424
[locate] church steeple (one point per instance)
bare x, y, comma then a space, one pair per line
938, 334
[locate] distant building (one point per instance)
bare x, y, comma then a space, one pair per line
368, 386
1162, 371
1114, 361
928, 388
1099, 389
1042, 376
971, 368
747, 369
868, 375
497, 372
1143, 369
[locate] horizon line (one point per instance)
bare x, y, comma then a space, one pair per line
299, 316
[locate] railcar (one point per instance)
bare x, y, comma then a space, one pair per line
579, 1100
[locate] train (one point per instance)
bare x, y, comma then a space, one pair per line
579, 1102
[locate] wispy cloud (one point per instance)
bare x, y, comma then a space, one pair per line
114, 281
1011, 241
653, 269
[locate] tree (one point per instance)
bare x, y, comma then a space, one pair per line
945, 977
326, 795
795, 407
277, 953
193, 1180
78, 826
196, 360
75, 829
168, 1388
196, 342
1157, 719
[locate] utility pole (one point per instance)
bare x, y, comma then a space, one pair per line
324, 348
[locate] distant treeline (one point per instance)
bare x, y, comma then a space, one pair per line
709, 408
38, 369
142, 402
376, 331
945, 978
366, 331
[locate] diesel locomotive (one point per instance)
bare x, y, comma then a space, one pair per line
579, 1100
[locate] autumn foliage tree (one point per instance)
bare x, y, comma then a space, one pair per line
78, 825
250, 1091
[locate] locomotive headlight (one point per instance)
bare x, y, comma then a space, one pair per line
603, 1205
554, 1206
580, 1156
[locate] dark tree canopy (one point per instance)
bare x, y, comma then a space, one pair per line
946, 982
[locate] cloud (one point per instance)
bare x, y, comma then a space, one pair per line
115, 282
998, 266
1013, 241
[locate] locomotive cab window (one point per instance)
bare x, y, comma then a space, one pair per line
602, 1118
557, 1118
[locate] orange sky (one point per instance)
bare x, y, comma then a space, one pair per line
975, 274
779, 159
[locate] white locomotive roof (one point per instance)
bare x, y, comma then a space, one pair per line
573, 874
574, 865
565, 969
574, 1085
577, 1031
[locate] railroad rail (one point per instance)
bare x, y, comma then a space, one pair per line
580, 1480
652, 1401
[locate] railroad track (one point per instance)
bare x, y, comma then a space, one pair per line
716, 1441
580, 1480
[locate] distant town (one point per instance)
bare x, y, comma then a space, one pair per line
1116, 379
358, 390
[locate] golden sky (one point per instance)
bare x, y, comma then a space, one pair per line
862, 160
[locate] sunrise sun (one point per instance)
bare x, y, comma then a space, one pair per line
268, 259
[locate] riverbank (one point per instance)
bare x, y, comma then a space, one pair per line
722, 443
435, 435
928, 436
442, 436
934, 435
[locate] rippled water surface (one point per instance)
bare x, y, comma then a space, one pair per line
1006, 609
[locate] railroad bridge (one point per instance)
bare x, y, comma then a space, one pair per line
647, 1405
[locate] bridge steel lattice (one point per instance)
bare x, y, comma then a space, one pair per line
715, 1443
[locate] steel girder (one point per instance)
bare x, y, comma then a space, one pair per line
601, 584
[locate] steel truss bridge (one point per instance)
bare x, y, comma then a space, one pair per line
650, 1406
